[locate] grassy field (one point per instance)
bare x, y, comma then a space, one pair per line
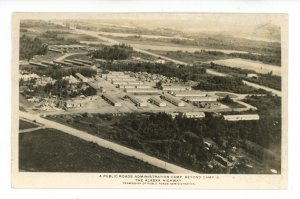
268, 106
49, 150
26, 125
258, 67
233, 104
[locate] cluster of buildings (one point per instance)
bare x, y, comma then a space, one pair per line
176, 94
128, 83
38, 80
42, 81
28, 76
148, 77
56, 104
71, 79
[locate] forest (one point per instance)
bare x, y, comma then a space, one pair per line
169, 69
57, 72
115, 52
52, 37
30, 47
231, 84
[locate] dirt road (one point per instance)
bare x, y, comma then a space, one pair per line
68, 55
276, 92
31, 129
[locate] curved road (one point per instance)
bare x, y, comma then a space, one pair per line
68, 55
107, 144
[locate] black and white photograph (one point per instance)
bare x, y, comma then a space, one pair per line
147, 100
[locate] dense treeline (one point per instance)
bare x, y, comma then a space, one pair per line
61, 72
170, 70
269, 109
54, 38
267, 105
232, 84
57, 72
205, 55
59, 88
115, 52
192, 57
30, 47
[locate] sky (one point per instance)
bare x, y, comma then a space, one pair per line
194, 22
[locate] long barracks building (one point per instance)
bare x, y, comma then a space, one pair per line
136, 101
157, 101
172, 100
113, 101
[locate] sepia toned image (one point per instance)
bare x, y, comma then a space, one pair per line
149, 100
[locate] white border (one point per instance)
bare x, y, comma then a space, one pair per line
7, 7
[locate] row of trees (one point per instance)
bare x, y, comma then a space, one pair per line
54, 38
232, 84
57, 72
30, 47
169, 69
115, 52
197, 56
